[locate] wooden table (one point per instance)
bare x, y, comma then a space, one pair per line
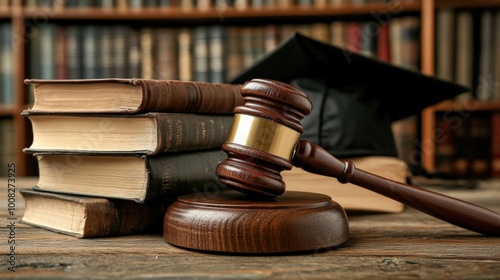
408, 245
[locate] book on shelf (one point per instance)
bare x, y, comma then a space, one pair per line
47, 51
149, 133
7, 64
465, 143
466, 44
480, 142
201, 53
166, 53
133, 51
87, 217
464, 52
496, 57
138, 177
185, 59
495, 144
485, 82
146, 39
351, 197
217, 56
109, 95
198, 53
445, 43
383, 44
445, 139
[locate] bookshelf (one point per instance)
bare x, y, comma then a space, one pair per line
23, 19
457, 113
459, 65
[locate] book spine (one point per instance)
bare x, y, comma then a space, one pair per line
234, 56
119, 217
464, 49
6, 68
246, 46
353, 35
485, 81
73, 51
384, 44
134, 53
480, 132
61, 56
166, 54
146, 39
48, 34
461, 161
495, 145
136, 4
201, 54
473, 145
119, 53
185, 58
106, 4
319, 31
101, 217
410, 42
368, 38
191, 132
184, 96
34, 53
217, 37
89, 51
105, 53
445, 36
445, 143
182, 173
337, 30
258, 42
496, 57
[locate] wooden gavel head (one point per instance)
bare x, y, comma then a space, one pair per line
262, 140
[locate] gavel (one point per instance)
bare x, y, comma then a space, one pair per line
265, 140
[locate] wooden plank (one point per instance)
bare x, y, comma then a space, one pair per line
404, 245
179, 14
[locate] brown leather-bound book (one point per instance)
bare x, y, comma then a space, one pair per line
133, 96
85, 217
150, 133
131, 177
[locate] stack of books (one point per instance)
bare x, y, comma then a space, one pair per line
112, 152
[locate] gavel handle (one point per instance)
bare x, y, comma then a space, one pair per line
315, 159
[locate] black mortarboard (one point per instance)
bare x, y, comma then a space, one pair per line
355, 98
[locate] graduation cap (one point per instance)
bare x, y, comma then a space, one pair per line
355, 98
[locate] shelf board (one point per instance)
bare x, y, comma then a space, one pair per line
219, 14
466, 105
467, 4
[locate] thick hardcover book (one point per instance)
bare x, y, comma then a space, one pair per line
85, 217
150, 133
131, 177
133, 96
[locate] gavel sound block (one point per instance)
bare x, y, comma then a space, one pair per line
264, 141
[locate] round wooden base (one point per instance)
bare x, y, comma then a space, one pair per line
231, 222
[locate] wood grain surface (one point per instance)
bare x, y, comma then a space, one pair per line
408, 245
